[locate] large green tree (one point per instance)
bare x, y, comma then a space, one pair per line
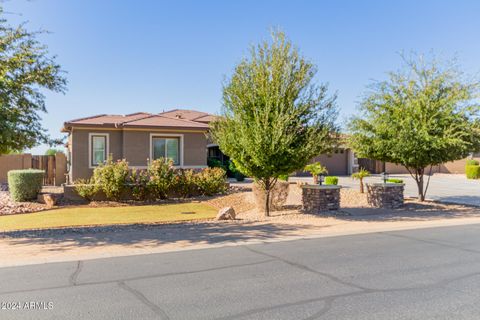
26, 69
275, 119
422, 116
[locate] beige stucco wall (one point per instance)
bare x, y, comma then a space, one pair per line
457, 167
134, 146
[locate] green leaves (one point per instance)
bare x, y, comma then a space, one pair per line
26, 69
275, 119
423, 116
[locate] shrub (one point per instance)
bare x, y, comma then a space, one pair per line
394, 180
111, 178
236, 173
86, 188
211, 181
283, 177
331, 180
25, 184
139, 184
472, 162
472, 171
185, 185
162, 177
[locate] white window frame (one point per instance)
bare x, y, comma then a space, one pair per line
107, 139
173, 135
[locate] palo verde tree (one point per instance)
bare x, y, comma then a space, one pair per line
25, 70
275, 119
422, 116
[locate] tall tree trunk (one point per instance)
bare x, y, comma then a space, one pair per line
419, 179
361, 185
267, 185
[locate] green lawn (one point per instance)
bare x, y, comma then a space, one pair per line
94, 216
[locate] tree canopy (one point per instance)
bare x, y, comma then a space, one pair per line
274, 118
26, 69
423, 115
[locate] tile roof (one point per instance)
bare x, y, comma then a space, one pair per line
177, 118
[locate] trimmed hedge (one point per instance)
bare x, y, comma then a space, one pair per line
394, 180
331, 180
472, 162
472, 171
24, 185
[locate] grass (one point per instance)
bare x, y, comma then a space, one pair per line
99, 216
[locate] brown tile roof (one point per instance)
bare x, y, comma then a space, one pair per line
185, 119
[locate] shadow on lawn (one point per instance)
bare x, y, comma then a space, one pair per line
182, 234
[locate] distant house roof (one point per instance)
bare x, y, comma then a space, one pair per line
178, 118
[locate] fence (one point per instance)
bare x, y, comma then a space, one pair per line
55, 167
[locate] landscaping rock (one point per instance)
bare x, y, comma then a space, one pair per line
227, 213
49, 199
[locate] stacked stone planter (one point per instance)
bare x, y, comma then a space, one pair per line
318, 199
385, 195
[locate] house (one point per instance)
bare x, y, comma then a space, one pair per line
180, 135
138, 138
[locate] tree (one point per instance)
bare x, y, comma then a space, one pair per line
52, 152
422, 116
274, 118
360, 175
25, 70
316, 169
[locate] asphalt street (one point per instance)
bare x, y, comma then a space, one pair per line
416, 274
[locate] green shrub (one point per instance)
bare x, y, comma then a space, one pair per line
283, 177
25, 184
331, 180
139, 184
394, 180
111, 178
86, 188
211, 181
472, 162
215, 163
161, 177
236, 173
472, 171
184, 183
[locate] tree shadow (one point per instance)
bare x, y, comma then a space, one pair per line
140, 236
411, 211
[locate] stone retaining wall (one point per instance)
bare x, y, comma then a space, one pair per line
317, 199
385, 195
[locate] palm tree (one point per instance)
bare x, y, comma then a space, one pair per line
360, 175
316, 169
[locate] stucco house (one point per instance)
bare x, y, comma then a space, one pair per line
139, 137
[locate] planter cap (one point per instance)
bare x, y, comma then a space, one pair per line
317, 186
386, 185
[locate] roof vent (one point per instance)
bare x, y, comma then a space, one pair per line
178, 116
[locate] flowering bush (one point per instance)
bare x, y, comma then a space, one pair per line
139, 183
185, 183
161, 177
111, 178
211, 181
86, 188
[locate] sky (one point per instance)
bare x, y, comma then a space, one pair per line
125, 56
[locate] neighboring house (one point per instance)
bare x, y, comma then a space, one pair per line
138, 137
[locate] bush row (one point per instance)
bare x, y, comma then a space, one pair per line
158, 181
25, 184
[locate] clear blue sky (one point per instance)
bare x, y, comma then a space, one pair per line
150, 55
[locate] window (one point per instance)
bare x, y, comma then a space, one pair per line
166, 147
98, 145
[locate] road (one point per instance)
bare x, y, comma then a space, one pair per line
415, 274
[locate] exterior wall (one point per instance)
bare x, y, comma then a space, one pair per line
134, 146
80, 162
13, 162
457, 167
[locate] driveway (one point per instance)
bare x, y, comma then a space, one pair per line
452, 188
416, 274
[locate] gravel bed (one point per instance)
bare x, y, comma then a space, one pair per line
8, 206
